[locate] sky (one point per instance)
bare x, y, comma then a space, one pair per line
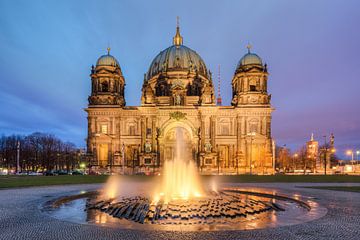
311, 48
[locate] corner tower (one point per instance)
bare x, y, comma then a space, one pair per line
107, 82
249, 83
252, 102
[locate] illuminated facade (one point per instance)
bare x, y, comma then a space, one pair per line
312, 152
178, 91
316, 156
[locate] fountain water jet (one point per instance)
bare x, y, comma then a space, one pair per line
180, 176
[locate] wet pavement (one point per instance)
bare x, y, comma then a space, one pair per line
22, 217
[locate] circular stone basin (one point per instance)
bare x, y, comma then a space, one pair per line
228, 209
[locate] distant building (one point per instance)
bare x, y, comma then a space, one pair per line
312, 152
326, 152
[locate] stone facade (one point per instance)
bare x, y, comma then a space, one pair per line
178, 92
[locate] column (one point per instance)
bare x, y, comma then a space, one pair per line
212, 130
202, 144
143, 132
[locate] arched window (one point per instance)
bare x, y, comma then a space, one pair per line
224, 127
105, 86
254, 125
253, 85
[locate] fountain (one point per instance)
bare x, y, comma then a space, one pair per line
180, 175
181, 199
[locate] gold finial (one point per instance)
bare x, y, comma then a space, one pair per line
177, 40
249, 47
108, 50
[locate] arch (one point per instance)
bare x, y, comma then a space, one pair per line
167, 144
104, 86
172, 123
254, 125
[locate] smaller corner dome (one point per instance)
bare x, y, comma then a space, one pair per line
107, 60
249, 59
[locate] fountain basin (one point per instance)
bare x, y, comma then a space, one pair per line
228, 209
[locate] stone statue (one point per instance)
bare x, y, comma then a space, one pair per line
208, 147
177, 99
148, 147
234, 100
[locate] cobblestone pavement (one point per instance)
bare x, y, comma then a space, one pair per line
21, 218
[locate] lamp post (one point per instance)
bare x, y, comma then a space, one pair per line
357, 155
111, 153
252, 134
351, 153
134, 151
237, 165
17, 157
123, 158
218, 164
96, 154
325, 151
294, 159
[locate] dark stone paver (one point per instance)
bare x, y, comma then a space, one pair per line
22, 218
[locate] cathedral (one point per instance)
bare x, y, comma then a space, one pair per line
178, 92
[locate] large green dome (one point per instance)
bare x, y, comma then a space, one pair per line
177, 58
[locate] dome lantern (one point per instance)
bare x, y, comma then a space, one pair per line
177, 39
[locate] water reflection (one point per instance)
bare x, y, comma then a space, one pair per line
75, 211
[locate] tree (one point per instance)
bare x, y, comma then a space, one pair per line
38, 151
283, 158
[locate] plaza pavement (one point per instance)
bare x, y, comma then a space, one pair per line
21, 217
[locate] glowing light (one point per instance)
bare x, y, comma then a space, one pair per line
213, 186
197, 194
112, 187
348, 168
349, 152
180, 178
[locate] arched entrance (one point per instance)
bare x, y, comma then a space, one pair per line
167, 141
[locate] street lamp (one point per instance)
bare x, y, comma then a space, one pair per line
123, 157
294, 159
325, 151
17, 157
96, 153
350, 153
252, 135
357, 155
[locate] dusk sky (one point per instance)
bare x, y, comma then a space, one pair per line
312, 49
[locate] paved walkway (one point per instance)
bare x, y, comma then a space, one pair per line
21, 218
